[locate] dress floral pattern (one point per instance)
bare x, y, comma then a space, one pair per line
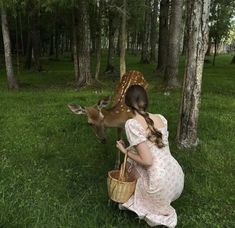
158, 185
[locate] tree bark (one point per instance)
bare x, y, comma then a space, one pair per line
12, 83
75, 45
84, 46
173, 51
21, 35
36, 39
163, 35
145, 55
98, 40
215, 51
196, 49
153, 35
123, 41
17, 46
111, 49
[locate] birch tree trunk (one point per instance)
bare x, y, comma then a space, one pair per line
195, 54
84, 46
123, 41
163, 35
173, 51
12, 83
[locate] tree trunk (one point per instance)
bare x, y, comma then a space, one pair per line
98, 40
12, 83
51, 52
36, 40
123, 41
208, 52
233, 60
215, 51
28, 58
56, 41
173, 51
84, 46
17, 46
163, 35
21, 35
111, 49
145, 57
196, 49
153, 36
75, 46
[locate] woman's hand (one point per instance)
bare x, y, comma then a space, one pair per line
121, 146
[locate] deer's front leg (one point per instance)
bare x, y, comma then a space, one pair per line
119, 136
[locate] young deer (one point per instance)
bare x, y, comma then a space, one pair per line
98, 117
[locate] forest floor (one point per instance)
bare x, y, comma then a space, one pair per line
53, 170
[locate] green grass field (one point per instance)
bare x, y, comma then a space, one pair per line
53, 170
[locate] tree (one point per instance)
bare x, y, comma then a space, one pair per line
84, 46
12, 83
163, 35
112, 27
98, 39
220, 21
195, 54
75, 44
123, 41
173, 50
145, 55
153, 34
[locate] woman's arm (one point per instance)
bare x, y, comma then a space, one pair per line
143, 157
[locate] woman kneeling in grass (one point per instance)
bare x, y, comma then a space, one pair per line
160, 177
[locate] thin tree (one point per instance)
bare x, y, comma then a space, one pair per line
145, 55
123, 41
111, 37
12, 83
75, 44
153, 34
195, 54
163, 35
174, 41
98, 40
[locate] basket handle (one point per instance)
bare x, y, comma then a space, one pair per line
122, 170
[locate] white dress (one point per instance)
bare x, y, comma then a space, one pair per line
158, 185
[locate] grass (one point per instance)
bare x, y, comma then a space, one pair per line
53, 170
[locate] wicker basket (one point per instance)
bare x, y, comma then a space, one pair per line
120, 188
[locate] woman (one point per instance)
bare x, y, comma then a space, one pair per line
160, 177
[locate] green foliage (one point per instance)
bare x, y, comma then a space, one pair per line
53, 170
221, 14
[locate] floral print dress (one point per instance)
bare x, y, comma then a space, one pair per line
158, 185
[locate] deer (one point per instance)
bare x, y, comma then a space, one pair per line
99, 116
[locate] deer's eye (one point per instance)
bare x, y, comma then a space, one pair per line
89, 124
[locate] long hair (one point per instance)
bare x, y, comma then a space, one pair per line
136, 98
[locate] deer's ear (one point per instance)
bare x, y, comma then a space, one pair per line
77, 109
103, 102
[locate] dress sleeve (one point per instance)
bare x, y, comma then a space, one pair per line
134, 132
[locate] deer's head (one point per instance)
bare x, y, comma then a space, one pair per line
95, 118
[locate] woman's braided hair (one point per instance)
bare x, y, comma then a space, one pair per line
136, 98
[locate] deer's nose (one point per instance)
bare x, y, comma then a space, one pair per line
103, 141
